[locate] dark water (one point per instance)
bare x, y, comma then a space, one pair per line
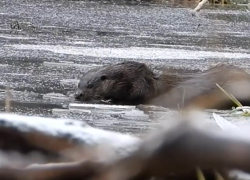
45, 46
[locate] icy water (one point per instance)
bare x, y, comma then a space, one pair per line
45, 46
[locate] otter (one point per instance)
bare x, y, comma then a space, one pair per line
134, 83
126, 83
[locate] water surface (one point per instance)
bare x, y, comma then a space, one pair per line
54, 42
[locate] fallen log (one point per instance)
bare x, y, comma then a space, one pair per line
57, 140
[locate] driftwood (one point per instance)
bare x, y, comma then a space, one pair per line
173, 152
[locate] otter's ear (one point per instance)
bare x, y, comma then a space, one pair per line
103, 78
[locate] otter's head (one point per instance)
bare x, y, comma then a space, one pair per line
122, 83
90, 86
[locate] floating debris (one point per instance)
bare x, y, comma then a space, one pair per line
100, 107
55, 96
223, 123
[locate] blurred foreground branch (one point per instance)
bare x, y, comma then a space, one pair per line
174, 152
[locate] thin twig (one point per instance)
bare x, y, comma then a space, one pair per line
218, 176
230, 96
200, 175
199, 6
7, 99
183, 98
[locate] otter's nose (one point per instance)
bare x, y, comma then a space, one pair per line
78, 95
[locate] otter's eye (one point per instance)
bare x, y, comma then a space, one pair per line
90, 86
103, 78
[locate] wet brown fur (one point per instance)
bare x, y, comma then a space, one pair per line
133, 83
125, 83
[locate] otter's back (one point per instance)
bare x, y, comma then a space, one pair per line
201, 89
